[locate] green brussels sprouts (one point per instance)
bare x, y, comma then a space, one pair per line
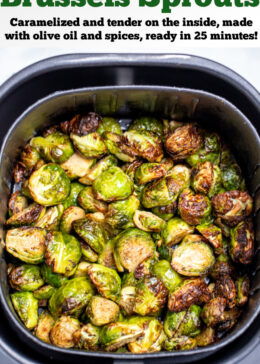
153, 336
106, 258
112, 185
54, 279
77, 166
27, 216
102, 311
44, 292
242, 242
147, 123
73, 296
167, 275
92, 232
44, 326
130, 168
131, 247
26, 277
189, 292
117, 334
26, 307
17, 203
183, 142
148, 172
242, 288
110, 125
209, 151
175, 230
88, 202
165, 252
106, 280
195, 209
120, 213
213, 235
145, 267
63, 252
70, 215
165, 212
51, 219
231, 177
206, 337
62, 332
212, 312
90, 145
180, 343
49, 185
151, 296
147, 221
87, 337
30, 157
72, 199
115, 146
207, 179
87, 253
192, 257
183, 323
26, 243
56, 147
127, 298
98, 168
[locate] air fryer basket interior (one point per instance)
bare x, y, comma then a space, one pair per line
209, 110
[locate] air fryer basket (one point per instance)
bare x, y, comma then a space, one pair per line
211, 111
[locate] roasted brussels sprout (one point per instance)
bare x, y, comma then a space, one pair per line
44, 292
148, 172
206, 337
88, 202
212, 312
184, 323
30, 157
145, 268
77, 166
109, 124
207, 179
17, 203
72, 199
87, 253
44, 326
26, 307
222, 267
63, 252
73, 296
102, 311
175, 230
230, 170
115, 146
191, 291
106, 258
163, 270
98, 168
165, 212
70, 215
54, 279
26, 243
242, 242
151, 296
232, 206
26, 277
117, 334
183, 142
49, 185
147, 124
127, 297
51, 219
192, 257
131, 247
225, 287
213, 235
242, 288
120, 213
106, 280
229, 319
180, 343
27, 216
20, 172
147, 221
56, 147
62, 331
82, 124
87, 337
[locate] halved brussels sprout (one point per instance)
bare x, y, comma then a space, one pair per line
225, 287
189, 292
127, 297
87, 253
147, 221
26, 307
91, 145
207, 179
49, 185
88, 202
44, 292
213, 312
114, 144
151, 296
167, 275
72, 297
54, 279
206, 337
232, 206
242, 242
145, 267
112, 185
131, 247
17, 203
72, 199
180, 343
195, 209
229, 319
106, 280
71, 214
20, 172
44, 326
183, 142
102, 311
51, 219
230, 170
77, 166
92, 232
98, 168
213, 235
165, 212
109, 124
106, 258
27, 216
120, 213
62, 332
148, 172
30, 157
175, 230
26, 243
118, 334
82, 124
184, 323
87, 337
243, 288
26, 277
147, 123
56, 147
63, 252
153, 337
192, 257
222, 267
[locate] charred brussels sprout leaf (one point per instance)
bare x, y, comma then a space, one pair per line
30, 157
49, 185
147, 221
213, 235
147, 124
27, 308
110, 125
82, 124
70, 215
17, 203
225, 287
27, 216
26, 277
87, 337
62, 331
54, 279
120, 213
242, 242
90, 145
88, 202
44, 326
175, 230
102, 311
167, 275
